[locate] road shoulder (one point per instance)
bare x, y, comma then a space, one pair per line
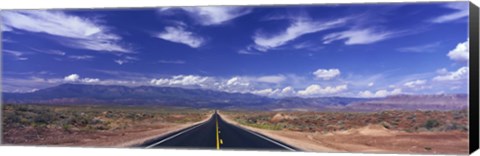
149, 136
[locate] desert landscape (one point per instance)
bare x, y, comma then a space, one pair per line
92, 126
76, 115
443, 132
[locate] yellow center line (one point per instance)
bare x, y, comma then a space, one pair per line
218, 142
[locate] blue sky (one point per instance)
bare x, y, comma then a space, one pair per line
355, 50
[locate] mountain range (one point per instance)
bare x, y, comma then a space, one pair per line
77, 94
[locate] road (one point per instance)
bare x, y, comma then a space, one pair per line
217, 134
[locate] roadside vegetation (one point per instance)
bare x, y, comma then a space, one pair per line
408, 121
40, 124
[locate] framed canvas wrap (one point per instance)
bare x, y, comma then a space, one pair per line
359, 78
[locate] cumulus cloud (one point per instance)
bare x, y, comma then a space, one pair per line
77, 32
234, 84
238, 84
460, 53
379, 93
237, 81
317, 90
296, 29
285, 92
326, 74
76, 78
90, 80
182, 80
180, 35
288, 91
359, 36
460, 11
213, 15
460, 74
71, 78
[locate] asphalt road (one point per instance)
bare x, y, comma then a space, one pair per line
217, 134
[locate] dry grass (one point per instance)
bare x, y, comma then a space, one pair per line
90, 125
324, 122
381, 132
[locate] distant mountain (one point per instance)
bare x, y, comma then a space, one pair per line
317, 104
67, 94
415, 102
143, 95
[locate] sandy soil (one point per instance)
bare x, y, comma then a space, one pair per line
370, 139
129, 137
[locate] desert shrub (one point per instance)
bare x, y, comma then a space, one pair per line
23, 108
66, 127
11, 118
43, 119
386, 125
431, 123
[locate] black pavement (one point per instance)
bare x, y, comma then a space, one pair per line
217, 134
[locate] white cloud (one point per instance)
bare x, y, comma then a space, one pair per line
72, 78
111, 46
76, 78
371, 84
237, 81
415, 83
272, 79
461, 11
379, 93
15, 54
326, 74
213, 15
78, 32
180, 35
234, 84
460, 53
288, 91
5, 28
359, 36
296, 29
90, 80
317, 90
460, 74
267, 92
182, 80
